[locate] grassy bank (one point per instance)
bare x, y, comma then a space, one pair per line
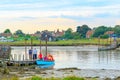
64, 78
51, 78
60, 42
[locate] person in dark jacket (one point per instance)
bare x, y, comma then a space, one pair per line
30, 54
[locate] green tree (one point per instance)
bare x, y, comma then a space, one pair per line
82, 30
110, 29
37, 32
100, 31
7, 31
27, 36
68, 34
76, 35
19, 33
117, 29
105, 36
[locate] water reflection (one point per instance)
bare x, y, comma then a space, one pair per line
83, 57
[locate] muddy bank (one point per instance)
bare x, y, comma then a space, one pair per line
100, 74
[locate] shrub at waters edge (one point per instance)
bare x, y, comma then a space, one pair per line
52, 78
73, 78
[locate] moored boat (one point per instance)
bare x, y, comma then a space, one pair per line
43, 62
46, 61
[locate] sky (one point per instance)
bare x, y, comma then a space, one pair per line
37, 15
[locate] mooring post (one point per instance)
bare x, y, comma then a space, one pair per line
25, 50
31, 43
46, 44
40, 46
98, 42
31, 48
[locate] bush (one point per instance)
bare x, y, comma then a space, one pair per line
52, 78
36, 78
14, 78
73, 78
6, 71
105, 36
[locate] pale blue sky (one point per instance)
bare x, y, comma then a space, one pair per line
53, 14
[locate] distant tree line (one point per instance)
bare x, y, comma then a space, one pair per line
99, 31
80, 32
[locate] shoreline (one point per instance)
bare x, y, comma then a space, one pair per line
99, 74
60, 45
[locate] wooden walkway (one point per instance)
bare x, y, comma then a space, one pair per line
21, 63
113, 46
6, 58
5, 52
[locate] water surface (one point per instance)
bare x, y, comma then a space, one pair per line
83, 57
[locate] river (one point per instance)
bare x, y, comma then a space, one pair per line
82, 57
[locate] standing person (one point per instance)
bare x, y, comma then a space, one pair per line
40, 56
34, 54
30, 54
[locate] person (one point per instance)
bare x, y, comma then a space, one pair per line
45, 58
40, 56
50, 57
34, 54
30, 54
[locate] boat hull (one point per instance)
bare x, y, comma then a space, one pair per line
42, 62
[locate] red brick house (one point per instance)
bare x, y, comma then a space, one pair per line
109, 32
58, 33
89, 33
6, 34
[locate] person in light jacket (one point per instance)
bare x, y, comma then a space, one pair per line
34, 54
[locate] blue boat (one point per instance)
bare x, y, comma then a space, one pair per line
43, 62
49, 66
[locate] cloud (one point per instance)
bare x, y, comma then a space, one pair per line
30, 26
58, 13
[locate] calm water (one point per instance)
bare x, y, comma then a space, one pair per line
83, 57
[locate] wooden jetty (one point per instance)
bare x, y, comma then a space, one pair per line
5, 52
21, 63
7, 59
112, 46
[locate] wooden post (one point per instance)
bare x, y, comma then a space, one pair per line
25, 50
107, 41
46, 45
31, 43
40, 46
110, 41
99, 42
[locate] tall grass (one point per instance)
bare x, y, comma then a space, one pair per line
64, 78
94, 41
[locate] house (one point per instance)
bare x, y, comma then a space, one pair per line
38, 34
3, 39
47, 35
110, 33
89, 33
58, 33
6, 34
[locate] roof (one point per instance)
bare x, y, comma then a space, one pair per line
89, 32
109, 32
